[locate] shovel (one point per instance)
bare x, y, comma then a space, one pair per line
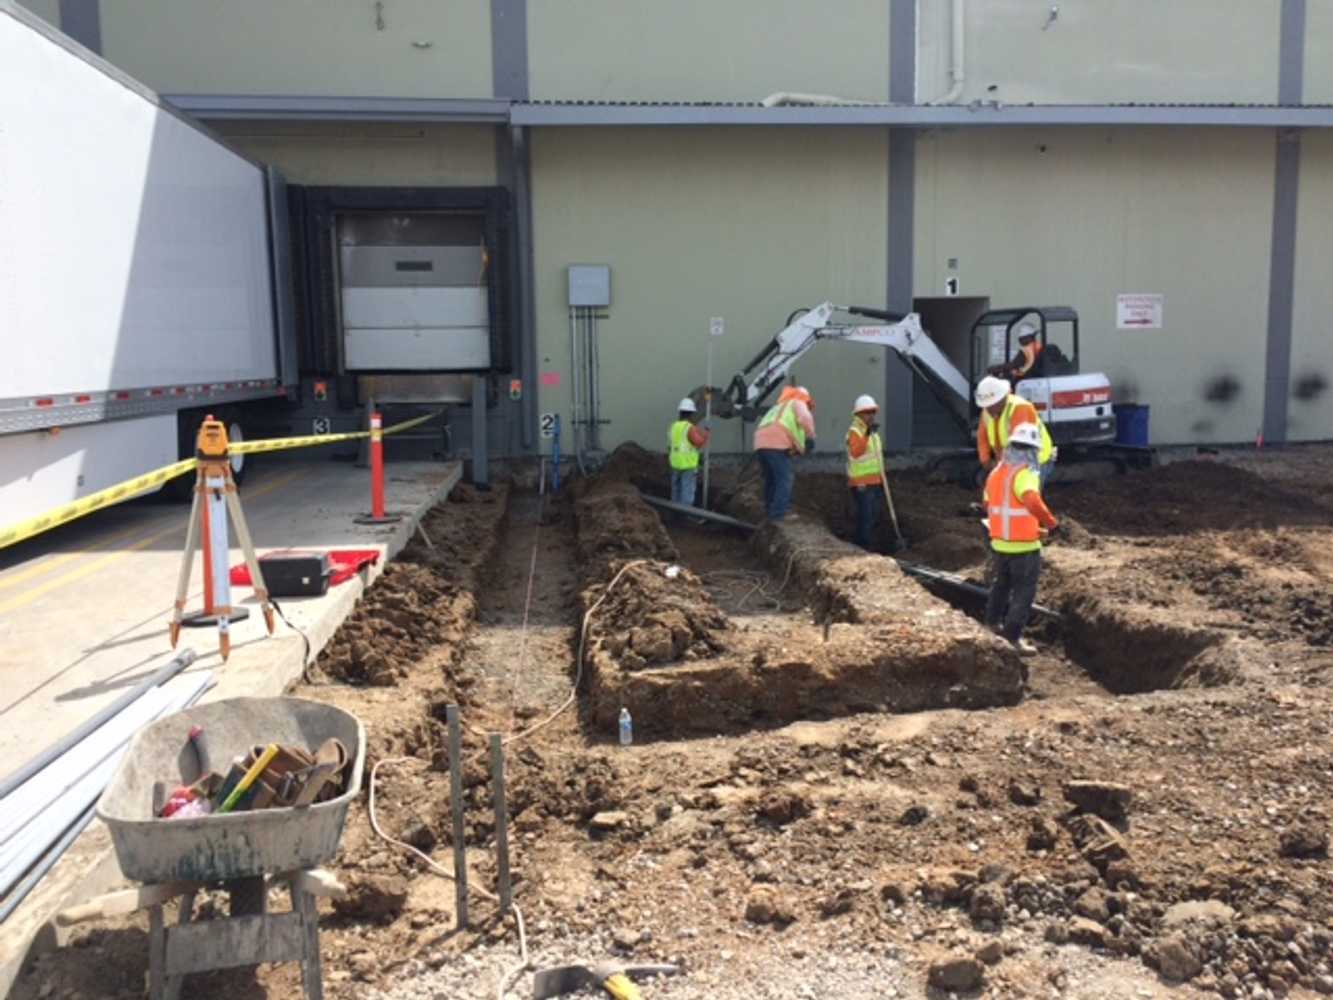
899, 542
610, 976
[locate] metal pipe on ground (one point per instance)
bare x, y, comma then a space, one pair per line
12, 780
952, 580
710, 515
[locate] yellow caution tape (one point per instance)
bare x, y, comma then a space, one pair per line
305, 441
112, 495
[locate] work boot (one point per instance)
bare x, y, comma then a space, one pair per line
1025, 648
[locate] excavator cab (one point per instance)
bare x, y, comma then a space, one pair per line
1075, 406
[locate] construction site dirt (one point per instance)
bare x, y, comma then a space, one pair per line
839, 780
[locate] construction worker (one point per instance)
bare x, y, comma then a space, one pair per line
865, 468
1029, 350
1017, 519
786, 430
685, 438
1001, 412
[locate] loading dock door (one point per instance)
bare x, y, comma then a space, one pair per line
414, 294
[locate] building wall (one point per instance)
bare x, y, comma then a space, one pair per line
700, 50
370, 154
47, 10
745, 224
1075, 216
426, 48
1310, 412
1318, 52
1106, 51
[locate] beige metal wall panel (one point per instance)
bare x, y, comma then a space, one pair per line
371, 154
1318, 52
1078, 216
1104, 51
746, 224
701, 50
425, 48
47, 10
1310, 413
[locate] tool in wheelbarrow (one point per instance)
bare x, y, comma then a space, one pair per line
614, 977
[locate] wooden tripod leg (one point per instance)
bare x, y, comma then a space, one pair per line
248, 548
187, 567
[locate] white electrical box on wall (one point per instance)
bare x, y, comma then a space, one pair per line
589, 285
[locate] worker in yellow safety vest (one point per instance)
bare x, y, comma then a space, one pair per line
787, 429
865, 468
685, 439
1001, 412
1017, 519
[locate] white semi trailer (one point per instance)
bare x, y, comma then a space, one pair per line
137, 264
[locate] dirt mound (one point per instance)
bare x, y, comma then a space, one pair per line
1187, 497
614, 524
645, 469
423, 602
657, 614
405, 614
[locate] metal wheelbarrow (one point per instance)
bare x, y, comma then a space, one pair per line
177, 858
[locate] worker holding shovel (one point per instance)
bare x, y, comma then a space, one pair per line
1017, 519
865, 468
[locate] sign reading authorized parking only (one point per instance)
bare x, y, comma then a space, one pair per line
1137, 311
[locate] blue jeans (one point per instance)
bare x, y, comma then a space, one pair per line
779, 477
869, 502
683, 483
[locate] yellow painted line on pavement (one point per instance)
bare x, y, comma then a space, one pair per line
56, 562
27, 597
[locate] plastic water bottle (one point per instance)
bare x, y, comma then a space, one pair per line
626, 728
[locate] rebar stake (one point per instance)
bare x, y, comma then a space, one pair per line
501, 823
456, 807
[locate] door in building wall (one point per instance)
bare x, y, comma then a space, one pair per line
936, 421
413, 291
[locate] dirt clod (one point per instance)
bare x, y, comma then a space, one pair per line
1303, 842
956, 973
767, 905
784, 806
1109, 800
373, 897
1175, 958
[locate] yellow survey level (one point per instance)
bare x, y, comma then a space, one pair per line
130, 488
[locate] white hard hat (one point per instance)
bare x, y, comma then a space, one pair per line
1026, 329
864, 402
687, 406
990, 390
1026, 436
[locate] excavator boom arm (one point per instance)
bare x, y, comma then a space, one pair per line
905, 337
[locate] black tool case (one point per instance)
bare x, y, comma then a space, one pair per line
296, 573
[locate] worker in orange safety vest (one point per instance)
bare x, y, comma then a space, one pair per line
786, 430
865, 468
1017, 519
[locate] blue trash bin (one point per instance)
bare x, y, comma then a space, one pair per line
1131, 424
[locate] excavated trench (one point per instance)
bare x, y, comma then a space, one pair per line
1124, 646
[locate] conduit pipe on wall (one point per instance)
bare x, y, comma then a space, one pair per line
957, 76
